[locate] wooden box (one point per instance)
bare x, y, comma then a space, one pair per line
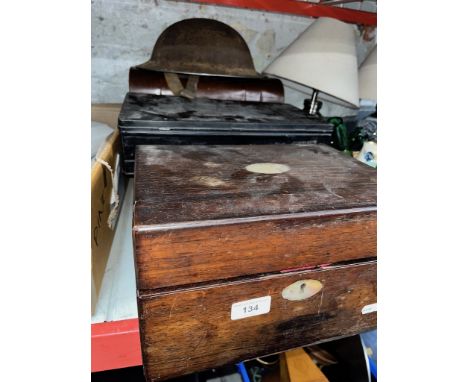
147, 119
244, 251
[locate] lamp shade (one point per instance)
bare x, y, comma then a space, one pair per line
324, 58
368, 77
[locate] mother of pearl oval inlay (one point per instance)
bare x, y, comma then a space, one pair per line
267, 168
301, 290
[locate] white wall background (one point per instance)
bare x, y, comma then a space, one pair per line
124, 33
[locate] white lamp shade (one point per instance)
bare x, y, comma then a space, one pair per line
324, 58
368, 77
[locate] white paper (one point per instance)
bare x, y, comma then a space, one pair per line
250, 308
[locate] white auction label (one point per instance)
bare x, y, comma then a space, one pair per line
250, 308
369, 308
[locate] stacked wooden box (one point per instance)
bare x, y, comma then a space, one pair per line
247, 250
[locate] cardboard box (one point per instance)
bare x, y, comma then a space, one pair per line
107, 113
105, 198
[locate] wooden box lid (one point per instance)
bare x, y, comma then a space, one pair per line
203, 211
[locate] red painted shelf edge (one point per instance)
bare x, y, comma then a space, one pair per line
298, 8
115, 345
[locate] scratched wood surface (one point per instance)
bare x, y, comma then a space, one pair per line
209, 233
189, 330
201, 216
198, 254
175, 184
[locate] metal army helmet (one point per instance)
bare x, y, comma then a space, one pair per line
202, 47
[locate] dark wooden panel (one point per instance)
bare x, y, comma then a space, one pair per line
215, 87
190, 330
178, 184
147, 112
200, 253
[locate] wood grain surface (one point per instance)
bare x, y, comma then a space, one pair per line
200, 215
179, 184
209, 233
189, 330
195, 254
301, 368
